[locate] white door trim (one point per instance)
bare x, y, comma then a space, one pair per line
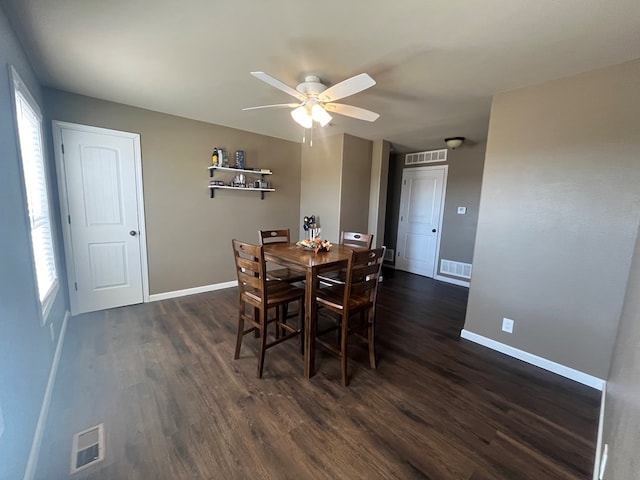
57, 127
436, 263
442, 201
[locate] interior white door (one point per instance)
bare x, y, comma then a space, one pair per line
99, 170
419, 223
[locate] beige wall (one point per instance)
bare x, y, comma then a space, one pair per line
394, 189
335, 182
356, 180
378, 190
622, 411
321, 184
464, 180
188, 234
558, 218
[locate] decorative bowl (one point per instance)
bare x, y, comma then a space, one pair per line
315, 245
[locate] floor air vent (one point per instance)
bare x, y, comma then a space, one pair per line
87, 448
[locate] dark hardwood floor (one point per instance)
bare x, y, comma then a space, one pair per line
175, 405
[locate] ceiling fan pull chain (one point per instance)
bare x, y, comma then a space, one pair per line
304, 137
311, 136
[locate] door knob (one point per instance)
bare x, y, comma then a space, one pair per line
434, 230
133, 233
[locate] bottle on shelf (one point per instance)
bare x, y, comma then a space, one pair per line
214, 157
240, 159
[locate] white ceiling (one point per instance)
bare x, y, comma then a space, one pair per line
437, 63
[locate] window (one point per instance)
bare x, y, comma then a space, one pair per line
29, 122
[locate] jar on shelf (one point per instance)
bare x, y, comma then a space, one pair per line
240, 159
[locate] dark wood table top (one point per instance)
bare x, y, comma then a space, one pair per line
294, 255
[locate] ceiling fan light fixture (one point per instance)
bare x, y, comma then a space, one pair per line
316, 99
301, 117
454, 142
320, 115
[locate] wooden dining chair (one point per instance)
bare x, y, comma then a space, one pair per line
260, 296
348, 239
282, 274
352, 305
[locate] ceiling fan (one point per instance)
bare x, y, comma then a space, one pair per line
316, 100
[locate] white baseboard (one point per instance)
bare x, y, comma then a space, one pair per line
455, 281
549, 365
596, 466
32, 463
192, 291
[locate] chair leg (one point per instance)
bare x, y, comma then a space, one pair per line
372, 344
256, 333
343, 350
301, 325
263, 341
240, 331
285, 308
277, 322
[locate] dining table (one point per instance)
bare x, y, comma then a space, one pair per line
311, 263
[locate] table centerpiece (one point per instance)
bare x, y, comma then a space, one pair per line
315, 244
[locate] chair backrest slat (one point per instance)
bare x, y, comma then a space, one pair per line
248, 264
355, 239
248, 280
360, 272
274, 236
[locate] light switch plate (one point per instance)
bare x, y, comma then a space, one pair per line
462, 210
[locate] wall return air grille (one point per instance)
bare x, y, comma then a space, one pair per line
455, 269
426, 157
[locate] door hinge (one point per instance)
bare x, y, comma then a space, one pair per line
69, 218
405, 182
401, 217
62, 147
76, 285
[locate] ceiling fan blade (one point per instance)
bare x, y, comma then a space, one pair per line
351, 111
347, 87
277, 105
274, 82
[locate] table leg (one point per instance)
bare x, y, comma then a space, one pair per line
310, 323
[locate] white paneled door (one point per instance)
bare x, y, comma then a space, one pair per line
420, 219
99, 173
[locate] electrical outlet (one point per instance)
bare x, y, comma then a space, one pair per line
507, 325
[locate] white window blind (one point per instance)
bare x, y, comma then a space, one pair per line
29, 121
